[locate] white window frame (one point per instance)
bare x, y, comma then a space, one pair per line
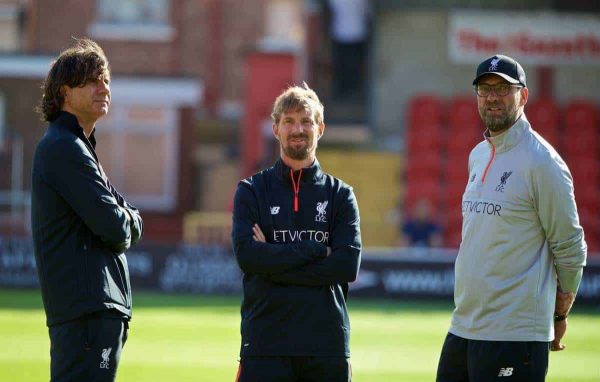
158, 32
120, 124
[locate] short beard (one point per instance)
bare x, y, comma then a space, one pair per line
300, 153
502, 123
296, 154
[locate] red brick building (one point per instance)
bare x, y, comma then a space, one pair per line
173, 62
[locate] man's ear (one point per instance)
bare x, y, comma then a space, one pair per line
276, 131
524, 96
321, 129
64, 91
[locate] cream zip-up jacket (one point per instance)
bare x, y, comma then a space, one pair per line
520, 234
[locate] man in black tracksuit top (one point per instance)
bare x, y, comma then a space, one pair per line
81, 225
296, 237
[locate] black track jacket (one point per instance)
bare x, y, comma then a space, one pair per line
79, 226
294, 301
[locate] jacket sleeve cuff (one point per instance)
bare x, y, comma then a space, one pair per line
569, 280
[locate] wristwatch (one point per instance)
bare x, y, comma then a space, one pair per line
560, 317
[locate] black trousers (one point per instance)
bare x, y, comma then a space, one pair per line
349, 68
464, 360
87, 349
294, 369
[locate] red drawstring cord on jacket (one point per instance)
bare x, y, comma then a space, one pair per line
296, 187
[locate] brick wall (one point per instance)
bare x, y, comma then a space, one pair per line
211, 39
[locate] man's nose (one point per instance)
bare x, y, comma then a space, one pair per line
103, 87
492, 96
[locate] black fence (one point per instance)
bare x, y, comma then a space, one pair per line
394, 273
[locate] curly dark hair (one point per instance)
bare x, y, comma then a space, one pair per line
74, 67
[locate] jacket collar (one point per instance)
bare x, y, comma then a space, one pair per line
69, 122
511, 137
313, 172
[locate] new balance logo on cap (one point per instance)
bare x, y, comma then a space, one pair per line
505, 372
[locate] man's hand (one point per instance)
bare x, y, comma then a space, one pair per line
560, 328
258, 234
564, 302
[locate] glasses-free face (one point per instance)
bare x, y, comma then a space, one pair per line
298, 134
500, 90
89, 101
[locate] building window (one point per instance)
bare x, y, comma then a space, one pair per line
10, 28
138, 146
147, 20
284, 28
128, 12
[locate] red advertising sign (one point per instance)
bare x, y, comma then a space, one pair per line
546, 39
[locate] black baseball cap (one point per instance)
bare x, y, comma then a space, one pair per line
504, 66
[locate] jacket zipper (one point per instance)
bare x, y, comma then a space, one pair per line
296, 187
487, 168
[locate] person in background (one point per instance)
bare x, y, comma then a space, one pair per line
420, 230
349, 29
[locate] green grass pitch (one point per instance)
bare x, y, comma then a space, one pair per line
196, 338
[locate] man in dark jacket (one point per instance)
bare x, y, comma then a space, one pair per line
81, 225
296, 237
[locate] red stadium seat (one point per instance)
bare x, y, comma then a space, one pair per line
453, 231
425, 110
425, 123
425, 188
452, 196
463, 114
464, 140
426, 164
580, 114
465, 128
591, 227
588, 198
544, 116
581, 135
456, 171
424, 138
580, 142
585, 172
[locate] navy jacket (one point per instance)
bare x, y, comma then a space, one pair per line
294, 301
80, 227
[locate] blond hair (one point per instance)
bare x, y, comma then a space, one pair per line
296, 98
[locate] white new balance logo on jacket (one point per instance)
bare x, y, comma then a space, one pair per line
505, 372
